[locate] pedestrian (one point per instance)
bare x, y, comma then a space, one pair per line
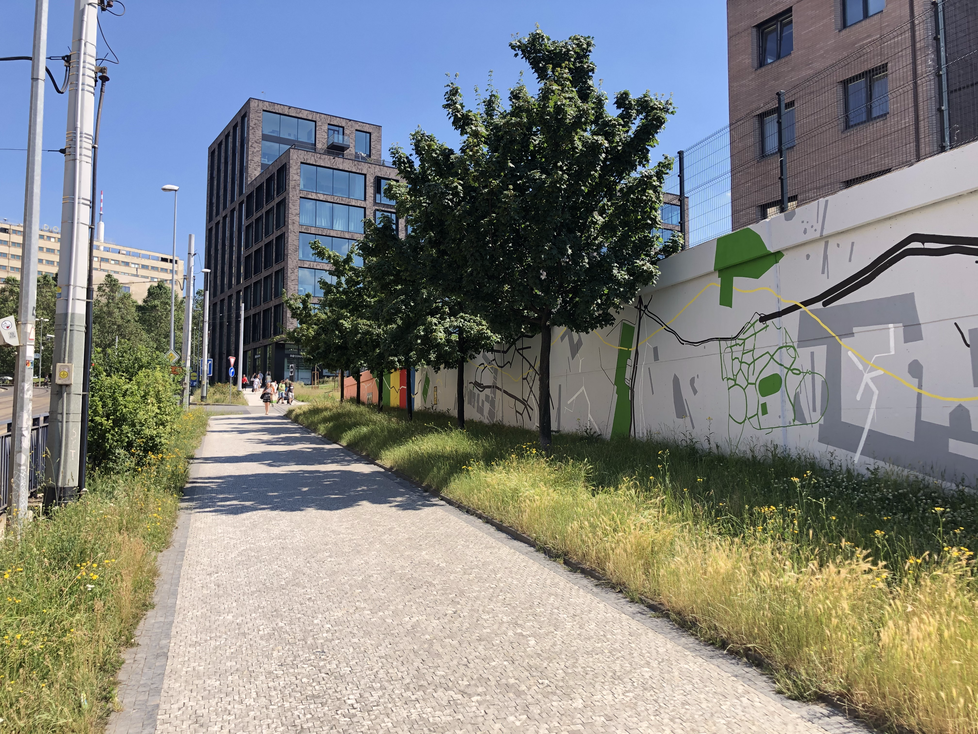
244, 382
282, 386
290, 393
255, 382
266, 397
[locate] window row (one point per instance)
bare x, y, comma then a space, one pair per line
266, 191
775, 36
262, 291
264, 325
865, 98
265, 257
332, 182
326, 215
263, 226
288, 127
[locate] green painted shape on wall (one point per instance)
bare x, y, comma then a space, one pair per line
622, 422
769, 385
385, 390
424, 390
741, 254
763, 408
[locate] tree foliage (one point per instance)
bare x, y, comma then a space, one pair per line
546, 215
115, 317
47, 293
154, 317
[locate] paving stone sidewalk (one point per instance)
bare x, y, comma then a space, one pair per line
316, 592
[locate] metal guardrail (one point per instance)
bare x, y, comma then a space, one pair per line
39, 442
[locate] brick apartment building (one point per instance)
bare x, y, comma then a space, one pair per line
279, 177
863, 92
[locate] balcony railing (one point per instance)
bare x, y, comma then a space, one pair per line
337, 141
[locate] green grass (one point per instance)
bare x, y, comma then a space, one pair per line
223, 393
326, 390
861, 587
74, 587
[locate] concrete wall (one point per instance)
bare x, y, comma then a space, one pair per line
848, 327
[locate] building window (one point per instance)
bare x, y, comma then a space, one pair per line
277, 320
266, 323
256, 295
769, 129
280, 248
280, 179
247, 267
249, 239
773, 208
280, 215
867, 97
327, 215
309, 281
332, 182
246, 297
381, 216
775, 39
854, 11
280, 132
259, 229
269, 189
333, 132
336, 244
269, 255
379, 196
247, 333
259, 198
257, 259
250, 205
279, 285
266, 288
269, 221
362, 144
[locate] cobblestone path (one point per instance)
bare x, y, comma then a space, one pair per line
310, 591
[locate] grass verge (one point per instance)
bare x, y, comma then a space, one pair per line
223, 393
74, 587
862, 588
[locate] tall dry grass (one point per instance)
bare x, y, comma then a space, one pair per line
74, 587
829, 615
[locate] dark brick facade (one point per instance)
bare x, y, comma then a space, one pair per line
230, 255
829, 154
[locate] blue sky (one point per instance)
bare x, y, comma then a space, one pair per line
187, 67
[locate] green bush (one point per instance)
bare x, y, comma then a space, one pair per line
133, 407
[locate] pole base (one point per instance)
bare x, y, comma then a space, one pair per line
57, 497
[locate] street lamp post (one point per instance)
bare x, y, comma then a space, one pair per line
173, 262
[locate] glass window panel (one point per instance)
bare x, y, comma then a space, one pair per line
769, 134
341, 217
271, 123
289, 127
324, 215
269, 152
280, 248
250, 205
853, 11
358, 186
307, 177
875, 6
881, 97
787, 40
307, 281
269, 221
341, 183
769, 45
280, 214
669, 214
307, 131
266, 287
357, 213
257, 257
363, 143
856, 101
381, 197
259, 232
259, 198
381, 216
269, 190
324, 179
280, 178
305, 245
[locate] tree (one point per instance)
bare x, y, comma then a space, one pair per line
154, 317
546, 215
115, 317
47, 293
420, 324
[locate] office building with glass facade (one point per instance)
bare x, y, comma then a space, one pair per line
278, 178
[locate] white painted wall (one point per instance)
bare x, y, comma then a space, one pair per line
899, 385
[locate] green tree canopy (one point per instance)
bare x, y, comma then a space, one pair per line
154, 317
115, 316
546, 215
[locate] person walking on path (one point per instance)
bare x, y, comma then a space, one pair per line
266, 397
255, 382
290, 393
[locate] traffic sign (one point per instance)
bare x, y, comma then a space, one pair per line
210, 367
194, 377
172, 356
231, 360
231, 371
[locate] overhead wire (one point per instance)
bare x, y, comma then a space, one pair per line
64, 85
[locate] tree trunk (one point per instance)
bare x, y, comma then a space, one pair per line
460, 393
380, 392
410, 395
342, 381
358, 386
544, 407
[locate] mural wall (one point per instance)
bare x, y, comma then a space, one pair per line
847, 326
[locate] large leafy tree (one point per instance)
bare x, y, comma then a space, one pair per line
154, 317
546, 215
47, 293
114, 317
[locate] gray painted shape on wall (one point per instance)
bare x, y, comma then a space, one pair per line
678, 401
973, 341
930, 446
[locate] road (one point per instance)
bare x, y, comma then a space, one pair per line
42, 396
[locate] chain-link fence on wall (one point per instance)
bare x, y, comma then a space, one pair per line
909, 95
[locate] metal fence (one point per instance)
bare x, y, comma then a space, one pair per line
908, 95
39, 442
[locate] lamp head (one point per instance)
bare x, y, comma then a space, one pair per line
170, 187
205, 270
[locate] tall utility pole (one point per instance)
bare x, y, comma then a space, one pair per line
173, 266
64, 432
188, 311
20, 446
